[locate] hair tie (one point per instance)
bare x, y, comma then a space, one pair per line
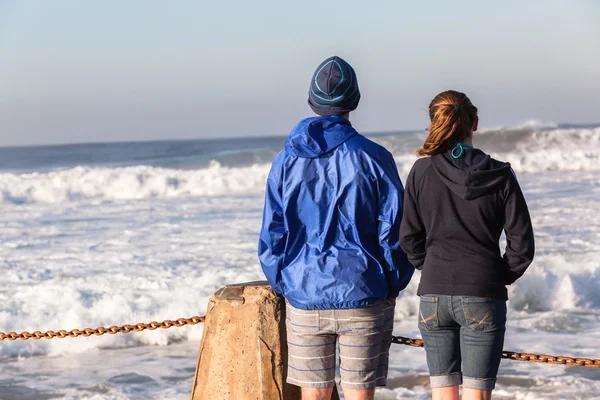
461, 149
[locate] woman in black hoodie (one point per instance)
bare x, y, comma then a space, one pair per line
457, 202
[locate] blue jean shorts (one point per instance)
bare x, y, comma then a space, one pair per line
463, 337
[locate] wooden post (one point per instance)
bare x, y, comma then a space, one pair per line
243, 353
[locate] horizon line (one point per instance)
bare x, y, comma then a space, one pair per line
565, 125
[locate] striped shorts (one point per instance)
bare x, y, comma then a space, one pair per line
364, 336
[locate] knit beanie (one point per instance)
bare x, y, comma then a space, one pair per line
334, 88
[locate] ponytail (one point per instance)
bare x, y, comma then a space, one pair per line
452, 117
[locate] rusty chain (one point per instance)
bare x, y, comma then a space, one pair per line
555, 360
513, 355
407, 341
111, 330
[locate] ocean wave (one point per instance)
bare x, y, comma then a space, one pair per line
129, 183
528, 151
529, 124
542, 150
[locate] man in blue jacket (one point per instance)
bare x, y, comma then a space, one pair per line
329, 243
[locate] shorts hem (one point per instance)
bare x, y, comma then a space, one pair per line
362, 386
440, 381
479, 383
381, 383
311, 385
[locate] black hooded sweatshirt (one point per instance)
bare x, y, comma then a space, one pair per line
454, 214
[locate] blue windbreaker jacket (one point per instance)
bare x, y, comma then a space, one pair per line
331, 223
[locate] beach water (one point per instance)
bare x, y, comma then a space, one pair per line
107, 234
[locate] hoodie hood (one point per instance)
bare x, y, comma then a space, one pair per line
471, 176
313, 137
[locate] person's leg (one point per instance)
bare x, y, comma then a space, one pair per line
364, 394
317, 394
311, 353
445, 393
482, 338
441, 335
475, 394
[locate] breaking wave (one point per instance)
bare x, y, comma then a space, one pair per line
529, 150
129, 183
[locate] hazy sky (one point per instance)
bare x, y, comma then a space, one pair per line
80, 71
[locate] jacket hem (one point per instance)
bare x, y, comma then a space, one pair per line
333, 306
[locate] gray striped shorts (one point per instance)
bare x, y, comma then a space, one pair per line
364, 336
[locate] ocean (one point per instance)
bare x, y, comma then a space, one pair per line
107, 234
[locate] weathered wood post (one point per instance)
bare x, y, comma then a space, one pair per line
243, 354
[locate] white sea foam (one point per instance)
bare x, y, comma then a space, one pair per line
535, 123
88, 247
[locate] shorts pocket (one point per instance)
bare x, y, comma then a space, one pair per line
364, 321
480, 313
428, 313
302, 321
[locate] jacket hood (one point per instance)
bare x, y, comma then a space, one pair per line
471, 176
313, 137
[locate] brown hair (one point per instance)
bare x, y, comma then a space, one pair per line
452, 117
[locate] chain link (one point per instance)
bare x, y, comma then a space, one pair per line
513, 355
111, 330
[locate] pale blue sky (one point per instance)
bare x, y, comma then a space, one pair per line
80, 71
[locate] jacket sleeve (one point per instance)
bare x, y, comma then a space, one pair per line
399, 271
412, 231
273, 233
520, 245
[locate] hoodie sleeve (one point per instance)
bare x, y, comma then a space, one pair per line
412, 231
273, 234
520, 246
390, 196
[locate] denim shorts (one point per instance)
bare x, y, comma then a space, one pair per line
463, 330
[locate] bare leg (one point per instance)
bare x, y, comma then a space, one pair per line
362, 394
317, 394
475, 394
445, 393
